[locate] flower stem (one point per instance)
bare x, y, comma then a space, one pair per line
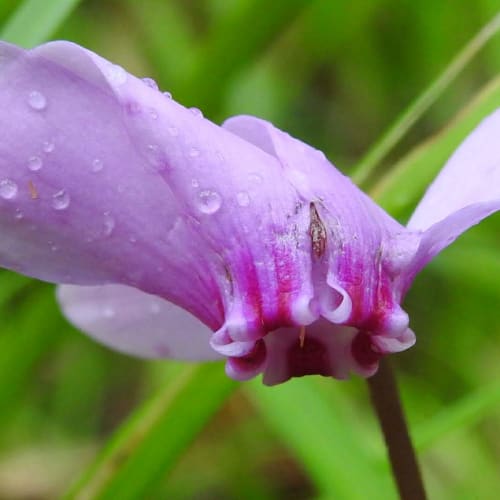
385, 399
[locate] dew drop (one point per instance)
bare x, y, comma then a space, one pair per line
196, 111
132, 239
154, 156
208, 201
154, 114
150, 83
256, 178
18, 214
48, 146
35, 163
173, 131
220, 157
109, 223
133, 107
195, 183
8, 189
37, 100
97, 165
155, 308
108, 312
193, 152
168, 95
60, 200
116, 74
243, 199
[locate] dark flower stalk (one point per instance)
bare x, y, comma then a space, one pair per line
387, 404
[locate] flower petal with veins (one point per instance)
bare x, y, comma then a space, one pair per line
175, 237
135, 322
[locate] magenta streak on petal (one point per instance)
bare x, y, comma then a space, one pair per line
246, 367
251, 231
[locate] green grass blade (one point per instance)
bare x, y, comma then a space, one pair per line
414, 112
35, 21
11, 284
328, 436
464, 413
220, 58
400, 189
25, 338
150, 443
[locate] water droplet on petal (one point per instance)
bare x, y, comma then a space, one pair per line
168, 95
155, 157
48, 146
155, 307
132, 239
196, 111
173, 131
255, 178
195, 183
8, 189
116, 74
60, 200
193, 152
220, 157
97, 165
35, 163
150, 83
153, 113
243, 199
108, 312
18, 214
37, 100
109, 223
208, 201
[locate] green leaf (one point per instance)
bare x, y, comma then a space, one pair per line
415, 111
400, 189
35, 21
26, 337
460, 415
149, 444
220, 58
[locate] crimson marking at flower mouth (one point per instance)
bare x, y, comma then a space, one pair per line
253, 359
308, 358
363, 352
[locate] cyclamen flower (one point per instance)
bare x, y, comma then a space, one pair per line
174, 237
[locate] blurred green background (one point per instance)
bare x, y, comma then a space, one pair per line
337, 75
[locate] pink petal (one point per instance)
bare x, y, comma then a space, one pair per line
466, 191
105, 180
135, 322
353, 238
471, 176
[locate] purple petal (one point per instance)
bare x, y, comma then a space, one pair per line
135, 322
352, 237
136, 189
471, 176
104, 180
466, 191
